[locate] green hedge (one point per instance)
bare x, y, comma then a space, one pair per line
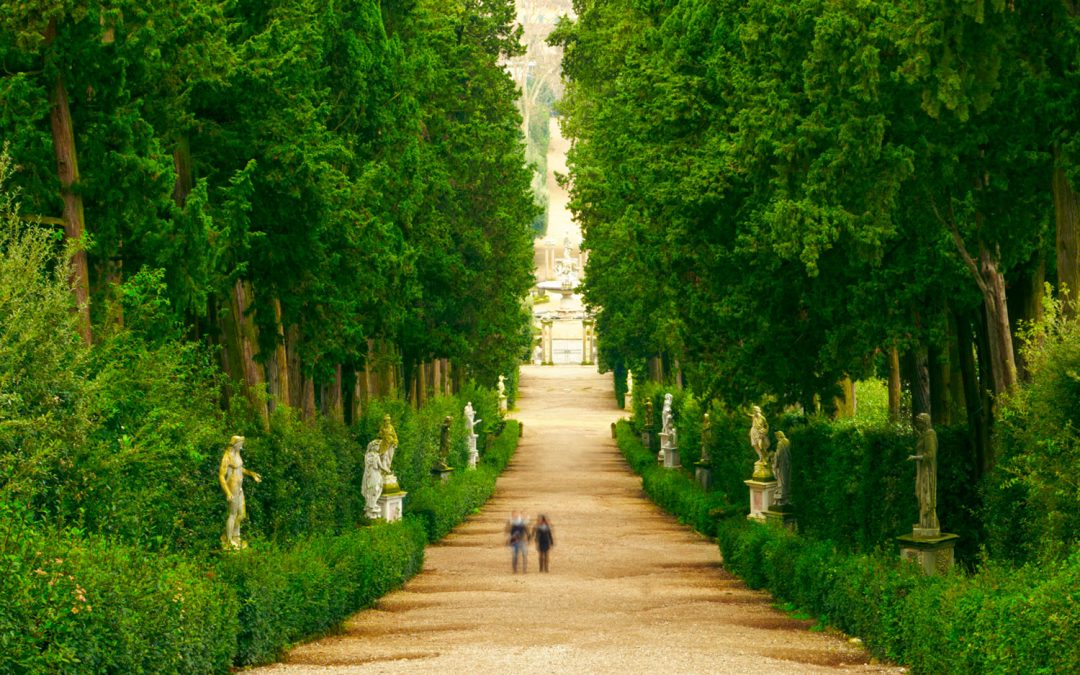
673, 490
289, 594
442, 506
852, 483
1001, 620
83, 603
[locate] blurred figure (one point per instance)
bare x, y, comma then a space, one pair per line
518, 530
544, 540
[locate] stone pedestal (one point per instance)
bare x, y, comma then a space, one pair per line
391, 506
443, 472
762, 495
703, 475
474, 454
932, 550
646, 439
502, 403
782, 515
671, 458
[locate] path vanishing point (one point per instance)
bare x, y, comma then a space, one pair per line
630, 589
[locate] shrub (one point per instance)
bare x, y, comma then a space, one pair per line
672, 489
90, 605
1000, 620
308, 588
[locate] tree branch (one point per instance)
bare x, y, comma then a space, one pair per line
969, 262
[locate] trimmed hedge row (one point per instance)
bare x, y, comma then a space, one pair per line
1001, 620
441, 507
286, 595
88, 604
852, 483
672, 490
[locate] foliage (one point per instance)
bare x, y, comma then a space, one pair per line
90, 605
673, 490
286, 594
441, 506
1033, 497
998, 620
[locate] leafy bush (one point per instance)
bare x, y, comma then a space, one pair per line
442, 506
672, 490
1000, 620
308, 588
1033, 505
91, 605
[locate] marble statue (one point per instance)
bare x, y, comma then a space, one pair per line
444, 441
706, 437
759, 434
372, 485
471, 422
388, 442
781, 466
759, 441
926, 475
231, 477
666, 415
501, 387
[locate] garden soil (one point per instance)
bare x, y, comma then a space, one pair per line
630, 589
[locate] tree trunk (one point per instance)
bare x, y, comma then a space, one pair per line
975, 397
894, 385
246, 338
1067, 220
331, 403
67, 170
998, 329
307, 399
293, 363
844, 405
939, 371
988, 404
277, 367
920, 381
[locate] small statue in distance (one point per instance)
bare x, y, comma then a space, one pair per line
372, 485
231, 477
926, 475
706, 438
781, 465
444, 442
388, 442
759, 441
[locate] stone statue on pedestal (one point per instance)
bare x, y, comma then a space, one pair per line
372, 485
444, 441
388, 442
501, 388
926, 476
471, 422
231, 477
781, 465
706, 437
666, 415
759, 441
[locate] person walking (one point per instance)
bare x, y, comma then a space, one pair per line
544, 540
518, 530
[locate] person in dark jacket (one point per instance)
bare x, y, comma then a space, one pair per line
517, 529
544, 540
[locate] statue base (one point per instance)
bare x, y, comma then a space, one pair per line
671, 458
762, 495
763, 472
703, 475
934, 554
646, 439
443, 472
391, 506
502, 404
782, 515
474, 457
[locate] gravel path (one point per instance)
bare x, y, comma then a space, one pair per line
630, 590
